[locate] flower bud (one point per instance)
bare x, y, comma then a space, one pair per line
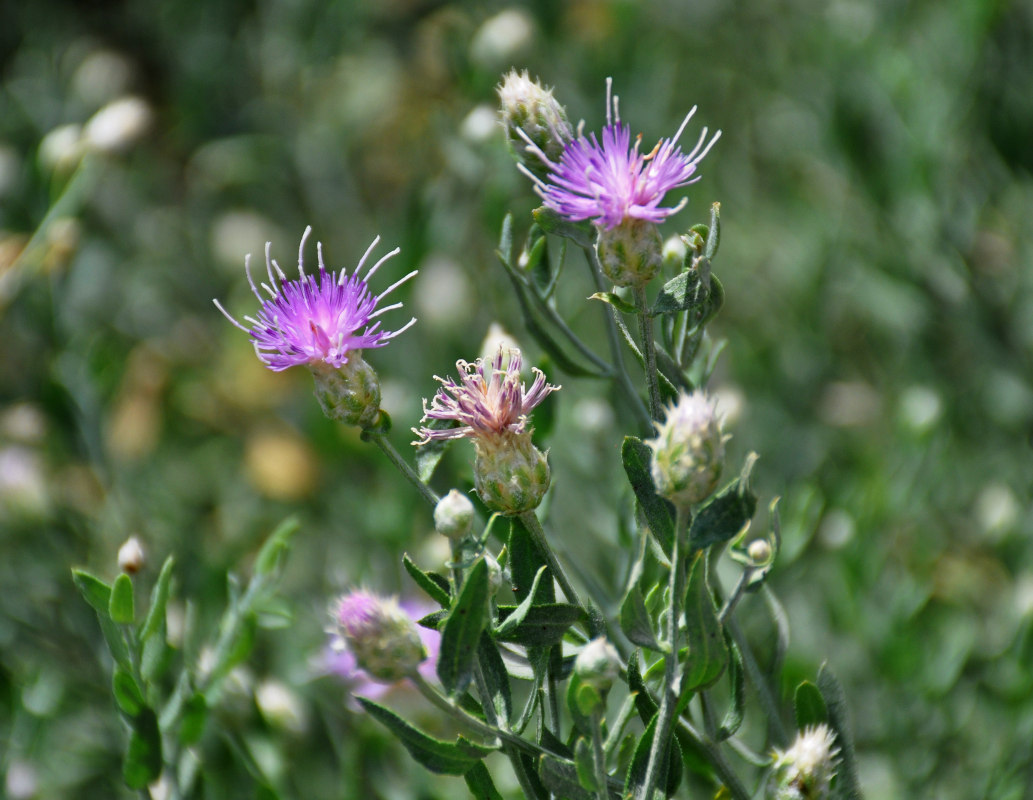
510, 473
631, 254
350, 394
689, 450
384, 640
533, 119
453, 515
598, 664
131, 556
759, 551
806, 769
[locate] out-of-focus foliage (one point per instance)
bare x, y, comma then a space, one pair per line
876, 190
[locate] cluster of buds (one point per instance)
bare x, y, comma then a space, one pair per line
688, 451
383, 639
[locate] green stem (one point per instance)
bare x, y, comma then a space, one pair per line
645, 327
717, 760
672, 677
395, 458
624, 383
534, 527
737, 594
598, 756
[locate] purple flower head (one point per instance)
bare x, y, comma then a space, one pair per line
488, 401
612, 181
317, 318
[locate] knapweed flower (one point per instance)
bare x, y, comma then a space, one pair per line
806, 769
324, 322
379, 634
610, 182
689, 450
491, 404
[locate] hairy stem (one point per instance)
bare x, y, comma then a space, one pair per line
645, 327
395, 458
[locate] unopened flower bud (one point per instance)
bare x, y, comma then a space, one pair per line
131, 556
349, 394
453, 515
494, 574
806, 769
533, 120
510, 473
598, 664
689, 450
759, 551
631, 253
382, 637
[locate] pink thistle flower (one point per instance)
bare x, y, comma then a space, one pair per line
488, 400
317, 318
611, 181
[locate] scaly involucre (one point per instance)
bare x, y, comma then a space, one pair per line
317, 318
488, 400
611, 181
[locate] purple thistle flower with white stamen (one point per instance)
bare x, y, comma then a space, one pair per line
489, 400
611, 182
317, 318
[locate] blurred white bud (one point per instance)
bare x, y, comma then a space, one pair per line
480, 124
118, 125
102, 75
497, 337
61, 148
759, 551
280, 706
131, 556
689, 450
501, 36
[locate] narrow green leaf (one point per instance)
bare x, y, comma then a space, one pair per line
644, 704
441, 757
585, 765
847, 784
737, 679
544, 626
242, 645
615, 300
713, 237
809, 705
684, 292
708, 653
115, 639
271, 556
575, 704
155, 619
506, 238
434, 585
519, 614
724, 516
156, 655
127, 692
635, 620
671, 771
525, 560
121, 608
462, 632
428, 455
562, 779
94, 591
435, 620
479, 782
195, 716
143, 761
496, 678
659, 513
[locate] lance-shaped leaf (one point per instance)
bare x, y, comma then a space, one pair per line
809, 705
615, 300
672, 766
519, 614
444, 758
562, 779
154, 622
121, 608
496, 678
273, 553
737, 678
143, 760
543, 626
524, 563
725, 515
479, 782
659, 513
634, 619
847, 785
708, 653
462, 632
433, 584
428, 455
127, 692
579, 232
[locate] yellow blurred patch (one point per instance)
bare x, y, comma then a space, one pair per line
281, 465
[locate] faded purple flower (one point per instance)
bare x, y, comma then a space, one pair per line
489, 399
341, 661
317, 318
611, 181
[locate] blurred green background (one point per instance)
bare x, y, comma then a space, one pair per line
877, 200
